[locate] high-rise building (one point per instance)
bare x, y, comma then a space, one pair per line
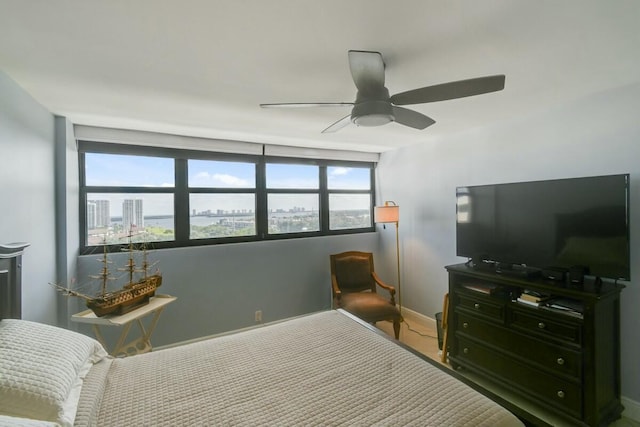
132, 214
103, 215
98, 215
91, 215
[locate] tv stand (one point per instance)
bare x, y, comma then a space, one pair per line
566, 364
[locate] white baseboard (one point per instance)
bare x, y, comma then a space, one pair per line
418, 317
631, 409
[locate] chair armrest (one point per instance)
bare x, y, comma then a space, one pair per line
382, 284
337, 293
391, 289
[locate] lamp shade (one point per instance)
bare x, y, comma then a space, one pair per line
387, 213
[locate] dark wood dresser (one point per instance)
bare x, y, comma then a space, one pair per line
11, 280
565, 360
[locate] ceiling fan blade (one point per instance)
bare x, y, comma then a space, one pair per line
338, 125
307, 104
452, 90
411, 118
367, 70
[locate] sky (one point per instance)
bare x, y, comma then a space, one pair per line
145, 171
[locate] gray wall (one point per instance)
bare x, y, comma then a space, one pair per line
67, 211
27, 201
219, 288
597, 135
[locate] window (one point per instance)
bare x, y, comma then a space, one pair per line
293, 198
172, 198
128, 195
349, 197
222, 199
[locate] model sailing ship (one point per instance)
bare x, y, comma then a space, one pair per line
135, 293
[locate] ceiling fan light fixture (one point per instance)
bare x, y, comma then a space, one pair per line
372, 113
373, 105
373, 120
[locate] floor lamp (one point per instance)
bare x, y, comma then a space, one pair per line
388, 213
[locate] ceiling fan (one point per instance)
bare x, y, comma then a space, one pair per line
373, 105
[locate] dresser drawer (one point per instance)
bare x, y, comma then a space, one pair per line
555, 359
562, 394
481, 305
534, 322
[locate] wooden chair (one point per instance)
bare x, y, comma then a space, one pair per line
354, 284
445, 329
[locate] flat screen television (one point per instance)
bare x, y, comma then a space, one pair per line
554, 224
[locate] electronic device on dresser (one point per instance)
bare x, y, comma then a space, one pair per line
536, 308
565, 225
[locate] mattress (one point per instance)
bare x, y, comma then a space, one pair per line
322, 369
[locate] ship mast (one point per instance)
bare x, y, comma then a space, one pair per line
145, 261
104, 272
130, 267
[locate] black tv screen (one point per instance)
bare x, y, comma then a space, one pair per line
563, 223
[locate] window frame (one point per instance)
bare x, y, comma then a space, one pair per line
181, 193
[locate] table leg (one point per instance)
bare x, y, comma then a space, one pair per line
152, 325
141, 344
123, 335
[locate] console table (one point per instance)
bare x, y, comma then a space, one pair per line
566, 363
137, 346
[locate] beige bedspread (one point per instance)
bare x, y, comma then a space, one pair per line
322, 369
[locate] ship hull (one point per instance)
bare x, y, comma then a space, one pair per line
129, 298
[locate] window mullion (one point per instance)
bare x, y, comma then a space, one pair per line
324, 200
262, 218
181, 201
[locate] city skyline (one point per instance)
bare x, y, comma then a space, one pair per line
133, 213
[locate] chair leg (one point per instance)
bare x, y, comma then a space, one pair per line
445, 329
396, 328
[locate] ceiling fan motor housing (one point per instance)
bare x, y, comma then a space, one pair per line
374, 106
372, 109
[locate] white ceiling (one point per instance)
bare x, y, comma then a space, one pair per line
201, 67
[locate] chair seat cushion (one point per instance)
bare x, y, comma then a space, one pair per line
368, 306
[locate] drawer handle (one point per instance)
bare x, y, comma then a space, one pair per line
465, 325
560, 361
476, 306
541, 325
465, 350
560, 394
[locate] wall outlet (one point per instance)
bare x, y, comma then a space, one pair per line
259, 316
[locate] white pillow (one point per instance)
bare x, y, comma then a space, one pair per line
40, 366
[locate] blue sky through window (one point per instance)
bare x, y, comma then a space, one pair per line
123, 170
146, 171
292, 176
345, 178
216, 174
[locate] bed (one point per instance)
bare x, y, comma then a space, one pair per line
327, 368
321, 369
